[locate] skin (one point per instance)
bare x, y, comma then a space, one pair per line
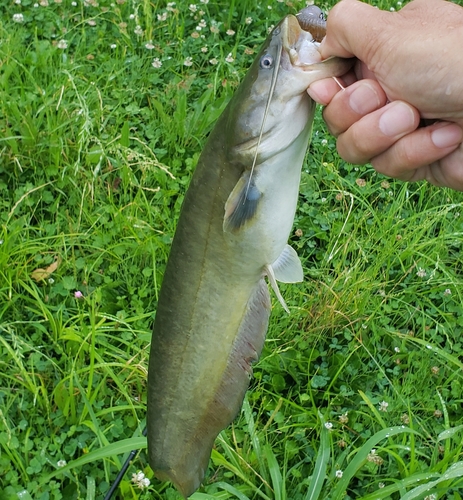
408, 69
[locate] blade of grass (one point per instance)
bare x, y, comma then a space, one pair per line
319, 472
117, 448
454, 471
361, 456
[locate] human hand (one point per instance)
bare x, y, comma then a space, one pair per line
409, 68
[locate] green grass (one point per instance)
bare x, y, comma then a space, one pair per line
97, 148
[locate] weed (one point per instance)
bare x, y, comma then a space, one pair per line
104, 108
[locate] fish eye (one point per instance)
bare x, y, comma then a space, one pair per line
266, 61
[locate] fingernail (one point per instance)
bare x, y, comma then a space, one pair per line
449, 135
397, 119
364, 99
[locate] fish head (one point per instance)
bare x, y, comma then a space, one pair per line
271, 107
268, 131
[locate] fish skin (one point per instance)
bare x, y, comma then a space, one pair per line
214, 304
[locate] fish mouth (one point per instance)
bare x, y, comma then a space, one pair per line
299, 44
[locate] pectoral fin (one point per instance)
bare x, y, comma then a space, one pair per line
241, 205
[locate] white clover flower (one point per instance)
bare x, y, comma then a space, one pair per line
62, 44
248, 20
156, 63
383, 406
374, 458
193, 7
229, 58
396, 349
213, 61
18, 18
405, 418
188, 61
149, 45
138, 30
162, 17
61, 463
338, 474
140, 480
328, 425
230, 32
344, 418
421, 273
447, 291
113, 46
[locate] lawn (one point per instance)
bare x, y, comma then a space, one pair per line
104, 108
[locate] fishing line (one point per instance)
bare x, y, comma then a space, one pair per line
338, 82
122, 472
267, 107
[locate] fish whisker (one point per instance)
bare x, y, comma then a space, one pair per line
267, 107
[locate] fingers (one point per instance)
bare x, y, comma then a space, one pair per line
352, 104
369, 129
373, 134
323, 91
409, 158
447, 172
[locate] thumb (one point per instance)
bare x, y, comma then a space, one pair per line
353, 29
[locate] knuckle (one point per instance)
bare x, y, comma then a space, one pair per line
361, 147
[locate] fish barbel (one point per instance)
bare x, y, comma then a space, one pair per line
235, 221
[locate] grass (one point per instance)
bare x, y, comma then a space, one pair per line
105, 107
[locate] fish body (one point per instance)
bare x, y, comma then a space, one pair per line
214, 304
